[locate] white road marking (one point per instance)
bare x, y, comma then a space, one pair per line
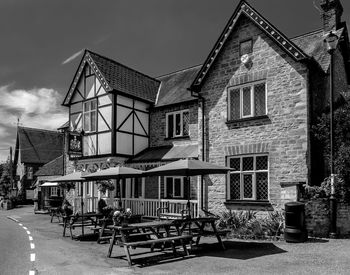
32, 257
28, 232
32, 246
31, 272
30, 238
20, 224
25, 228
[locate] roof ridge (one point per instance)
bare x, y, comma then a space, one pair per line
120, 64
39, 129
306, 34
180, 70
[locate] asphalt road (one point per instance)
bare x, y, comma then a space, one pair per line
61, 255
15, 248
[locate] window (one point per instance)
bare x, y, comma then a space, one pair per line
29, 173
247, 101
249, 180
90, 116
177, 124
174, 187
54, 191
246, 47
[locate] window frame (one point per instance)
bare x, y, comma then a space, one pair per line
252, 114
89, 113
182, 189
181, 112
253, 172
52, 193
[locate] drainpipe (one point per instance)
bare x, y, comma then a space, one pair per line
202, 99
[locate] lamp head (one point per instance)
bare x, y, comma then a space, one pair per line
331, 40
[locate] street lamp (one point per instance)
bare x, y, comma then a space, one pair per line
331, 41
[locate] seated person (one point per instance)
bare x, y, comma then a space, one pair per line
103, 208
67, 208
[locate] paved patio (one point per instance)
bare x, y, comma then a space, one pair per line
58, 255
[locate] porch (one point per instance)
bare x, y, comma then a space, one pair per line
145, 207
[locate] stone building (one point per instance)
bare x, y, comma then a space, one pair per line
250, 106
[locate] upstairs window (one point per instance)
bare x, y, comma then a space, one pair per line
249, 179
90, 108
29, 173
174, 187
177, 124
247, 101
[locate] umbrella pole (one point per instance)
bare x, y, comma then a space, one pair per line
82, 208
120, 193
188, 195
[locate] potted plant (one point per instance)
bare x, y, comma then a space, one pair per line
105, 185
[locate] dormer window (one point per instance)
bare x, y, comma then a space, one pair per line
90, 108
245, 47
177, 124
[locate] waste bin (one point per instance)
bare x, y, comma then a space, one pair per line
295, 229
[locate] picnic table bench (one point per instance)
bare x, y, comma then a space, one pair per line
129, 236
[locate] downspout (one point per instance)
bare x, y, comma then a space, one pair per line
202, 99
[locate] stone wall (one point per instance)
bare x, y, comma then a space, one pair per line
282, 134
318, 221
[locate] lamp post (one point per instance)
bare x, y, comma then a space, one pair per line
331, 41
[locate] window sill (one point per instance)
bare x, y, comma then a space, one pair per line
248, 203
182, 137
254, 118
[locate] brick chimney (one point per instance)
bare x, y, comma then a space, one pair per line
332, 11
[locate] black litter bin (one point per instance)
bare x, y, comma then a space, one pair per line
295, 229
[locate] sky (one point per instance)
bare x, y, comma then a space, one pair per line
42, 43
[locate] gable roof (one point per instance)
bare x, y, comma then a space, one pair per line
115, 76
173, 87
52, 168
278, 37
37, 145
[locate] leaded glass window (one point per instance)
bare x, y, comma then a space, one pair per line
249, 179
90, 116
177, 124
247, 101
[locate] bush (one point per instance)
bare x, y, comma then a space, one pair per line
246, 224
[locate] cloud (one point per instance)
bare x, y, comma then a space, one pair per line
36, 108
72, 57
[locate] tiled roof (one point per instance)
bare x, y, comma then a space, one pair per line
173, 87
52, 168
126, 80
313, 45
166, 153
37, 145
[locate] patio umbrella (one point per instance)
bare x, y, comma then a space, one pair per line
187, 168
117, 173
74, 177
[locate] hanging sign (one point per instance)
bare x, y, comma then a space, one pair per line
75, 144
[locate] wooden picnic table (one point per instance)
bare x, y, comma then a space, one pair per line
78, 220
197, 228
151, 234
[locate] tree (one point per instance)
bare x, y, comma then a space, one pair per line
5, 179
341, 146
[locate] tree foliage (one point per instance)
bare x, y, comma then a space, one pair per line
341, 137
5, 178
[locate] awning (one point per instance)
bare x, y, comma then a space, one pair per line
49, 184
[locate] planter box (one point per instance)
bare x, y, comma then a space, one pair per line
7, 205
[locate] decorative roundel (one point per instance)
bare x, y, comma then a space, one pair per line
245, 58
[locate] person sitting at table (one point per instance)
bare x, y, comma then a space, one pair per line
67, 208
103, 208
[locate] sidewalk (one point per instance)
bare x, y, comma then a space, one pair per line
58, 255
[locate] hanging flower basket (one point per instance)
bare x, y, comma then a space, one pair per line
67, 185
105, 185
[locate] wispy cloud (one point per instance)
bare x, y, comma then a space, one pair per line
37, 108
72, 57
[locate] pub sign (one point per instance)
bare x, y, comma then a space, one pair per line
75, 142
